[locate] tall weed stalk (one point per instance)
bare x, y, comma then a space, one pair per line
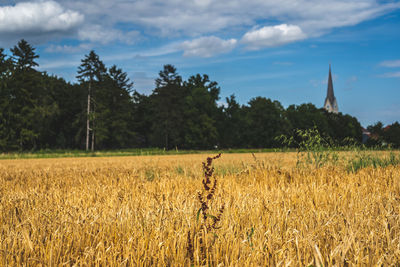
207, 216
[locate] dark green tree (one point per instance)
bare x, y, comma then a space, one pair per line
5, 98
5, 65
121, 79
306, 116
200, 112
90, 73
391, 135
24, 55
143, 119
266, 121
168, 99
30, 105
343, 127
63, 130
376, 138
376, 129
233, 126
114, 111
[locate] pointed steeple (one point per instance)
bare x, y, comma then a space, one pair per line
330, 100
330, 95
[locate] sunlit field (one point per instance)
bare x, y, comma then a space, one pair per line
146, 211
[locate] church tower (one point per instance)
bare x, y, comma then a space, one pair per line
330, 100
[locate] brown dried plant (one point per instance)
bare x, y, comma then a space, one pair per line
207, 222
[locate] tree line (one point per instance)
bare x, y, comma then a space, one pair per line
103, 111
383, 136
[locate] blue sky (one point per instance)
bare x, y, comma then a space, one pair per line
276, 49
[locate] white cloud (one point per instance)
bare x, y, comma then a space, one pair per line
272, 36
103, 35
52, 64
391, 75
185, 19
207, 46
390, 63
318, 17
204, 17
143, 54
38, 17
68, 48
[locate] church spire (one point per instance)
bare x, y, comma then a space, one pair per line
330, 95
330, 100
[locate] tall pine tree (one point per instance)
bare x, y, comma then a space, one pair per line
91, 73
168, 104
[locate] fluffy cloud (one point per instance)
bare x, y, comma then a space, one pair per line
207, 46
272, 36
203, 17
37, 17
104, 35
182, 18
390, 63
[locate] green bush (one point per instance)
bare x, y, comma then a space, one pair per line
312, 149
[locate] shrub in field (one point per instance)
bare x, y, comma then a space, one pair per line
313, 150
207, 223
362, 157
363, 160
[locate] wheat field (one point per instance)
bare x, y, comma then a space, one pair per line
144, 211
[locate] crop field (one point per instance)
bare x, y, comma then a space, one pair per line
251, 210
